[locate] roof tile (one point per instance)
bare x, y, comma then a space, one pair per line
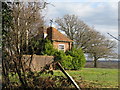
54, 34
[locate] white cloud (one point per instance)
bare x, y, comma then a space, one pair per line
102, 15
103, 0
83, 0
105, 29
81, 9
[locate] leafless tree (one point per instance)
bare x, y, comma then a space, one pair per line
101, 47
75, 29
85, 37
71, 25
26, 18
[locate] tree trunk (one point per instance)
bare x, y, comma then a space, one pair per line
95, 62
5, 76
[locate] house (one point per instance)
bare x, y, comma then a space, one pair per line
59, 40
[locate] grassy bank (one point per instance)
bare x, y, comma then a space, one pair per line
94, 77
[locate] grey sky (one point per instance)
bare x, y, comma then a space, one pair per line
100, 14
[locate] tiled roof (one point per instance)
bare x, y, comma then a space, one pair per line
54, 34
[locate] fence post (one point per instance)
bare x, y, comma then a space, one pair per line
68, 76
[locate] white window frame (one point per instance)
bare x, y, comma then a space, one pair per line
61, 45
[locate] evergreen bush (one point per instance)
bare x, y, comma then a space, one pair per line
74, 59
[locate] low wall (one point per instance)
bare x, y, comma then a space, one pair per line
38, 61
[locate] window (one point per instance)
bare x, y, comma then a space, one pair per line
61, 47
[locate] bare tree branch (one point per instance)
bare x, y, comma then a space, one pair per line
113, 36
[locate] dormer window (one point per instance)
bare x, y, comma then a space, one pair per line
61, 47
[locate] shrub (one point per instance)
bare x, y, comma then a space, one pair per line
74, 59
41, 47
59, 55
67, 62
35, 46
48, 48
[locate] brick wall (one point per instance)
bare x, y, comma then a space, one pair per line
67, 45
38, 61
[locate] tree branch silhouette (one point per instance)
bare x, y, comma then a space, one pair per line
113, 36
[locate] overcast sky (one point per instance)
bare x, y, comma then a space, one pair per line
100, 14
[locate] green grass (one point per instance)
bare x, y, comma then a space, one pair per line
95, 77
87, 77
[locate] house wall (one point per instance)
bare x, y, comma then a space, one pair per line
67, 45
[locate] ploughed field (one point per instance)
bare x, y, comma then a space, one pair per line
94, 77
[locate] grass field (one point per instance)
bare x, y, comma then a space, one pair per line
88, 77
94, 77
